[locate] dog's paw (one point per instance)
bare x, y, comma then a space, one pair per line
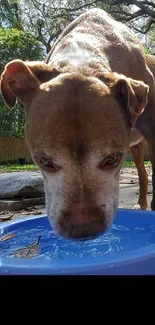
137, 207
140, 207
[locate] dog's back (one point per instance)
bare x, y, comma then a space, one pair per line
96, 41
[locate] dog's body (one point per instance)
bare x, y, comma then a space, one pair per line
80, 109
137, 151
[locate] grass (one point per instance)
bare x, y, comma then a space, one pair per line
128, 163
17, 167
11, 167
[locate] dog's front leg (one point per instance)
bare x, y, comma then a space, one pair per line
148, 131
137, 152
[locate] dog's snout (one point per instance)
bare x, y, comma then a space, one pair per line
86, 231
84, 224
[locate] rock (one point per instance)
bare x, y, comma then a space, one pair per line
17, 205
25, 184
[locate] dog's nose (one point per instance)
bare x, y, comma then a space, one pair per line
84, 231
82, 227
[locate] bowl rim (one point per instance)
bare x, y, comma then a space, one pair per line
66, 266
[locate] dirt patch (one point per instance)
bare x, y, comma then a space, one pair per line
133, 171
36, 210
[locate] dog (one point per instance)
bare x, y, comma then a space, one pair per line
137, 152
84, 106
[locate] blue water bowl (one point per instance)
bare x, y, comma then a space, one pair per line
29, 246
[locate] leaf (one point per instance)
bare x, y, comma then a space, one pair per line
6, 218
28, 251
37, 212
7, 237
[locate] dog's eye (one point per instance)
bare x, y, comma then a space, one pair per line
110, 161
49, 165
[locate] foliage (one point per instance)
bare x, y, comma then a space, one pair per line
15, 44
29, 28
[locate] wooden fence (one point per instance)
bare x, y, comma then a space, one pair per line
11, 149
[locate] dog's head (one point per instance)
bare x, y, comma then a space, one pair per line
78, 132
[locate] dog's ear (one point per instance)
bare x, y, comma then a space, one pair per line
20, 80
42, 71
132, 93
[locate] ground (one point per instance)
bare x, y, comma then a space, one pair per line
129, 189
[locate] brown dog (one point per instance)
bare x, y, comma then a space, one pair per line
80, 108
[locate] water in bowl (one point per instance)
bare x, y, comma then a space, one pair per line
119, 238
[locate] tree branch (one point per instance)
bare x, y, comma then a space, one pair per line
145, 31
150, 4
122, 14
143, 7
